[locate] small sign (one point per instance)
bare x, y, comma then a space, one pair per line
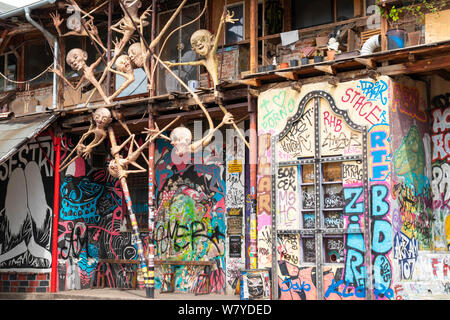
234, 211
234, 225
235, 166
235, 247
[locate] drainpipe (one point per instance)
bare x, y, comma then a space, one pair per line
51, 37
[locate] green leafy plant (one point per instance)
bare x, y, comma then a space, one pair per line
415, 8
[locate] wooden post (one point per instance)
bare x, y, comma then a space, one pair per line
253, 36
151, 168
108, 75
384, 29
134, 225
151, 212
152, 37
62, 66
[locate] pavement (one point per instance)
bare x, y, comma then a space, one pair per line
113, 294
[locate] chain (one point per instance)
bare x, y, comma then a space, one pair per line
27, 81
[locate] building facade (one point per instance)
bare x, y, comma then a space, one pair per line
339, 190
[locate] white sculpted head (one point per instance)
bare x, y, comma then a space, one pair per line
181, 138
76, 59
202, 41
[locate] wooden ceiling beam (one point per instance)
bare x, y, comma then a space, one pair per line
422, 66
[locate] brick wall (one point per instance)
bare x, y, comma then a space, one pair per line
24, 282
229, 67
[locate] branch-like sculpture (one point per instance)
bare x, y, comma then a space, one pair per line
205, 44
101, 119
76, 59
77, 24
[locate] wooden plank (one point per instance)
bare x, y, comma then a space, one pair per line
421, 66
327, 69
159, 262
251, 82
288, 75
367, 62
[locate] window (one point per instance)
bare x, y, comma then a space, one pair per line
8, 67
308, 14
178, 49
138, 185
38, 57
234, 32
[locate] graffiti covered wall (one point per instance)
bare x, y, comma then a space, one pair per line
26, 208
191, 215
92, 226
420, 189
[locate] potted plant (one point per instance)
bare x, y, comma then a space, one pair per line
318, 57
305, 60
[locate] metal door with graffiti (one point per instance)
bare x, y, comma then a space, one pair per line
320, 222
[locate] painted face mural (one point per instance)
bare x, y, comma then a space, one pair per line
80, 198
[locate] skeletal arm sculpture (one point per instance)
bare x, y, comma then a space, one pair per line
204, 43
77, 24
118, 167
101, 119
76, 59
125, 26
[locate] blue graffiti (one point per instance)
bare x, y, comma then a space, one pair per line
79, 199
359, 291
381, 236
380, 157
294, 286
88, 259
374, 91
355, 271
381, 291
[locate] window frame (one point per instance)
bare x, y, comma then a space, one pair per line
229, 6
4, 89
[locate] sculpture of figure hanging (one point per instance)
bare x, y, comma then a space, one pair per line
101, 119
76, 59
120, 169
77, 24
126, 26
140, 54
181, 138
205, 44
124, 68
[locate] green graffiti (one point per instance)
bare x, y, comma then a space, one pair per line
409, 162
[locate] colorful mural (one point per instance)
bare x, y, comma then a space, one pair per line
190, 217
355, 104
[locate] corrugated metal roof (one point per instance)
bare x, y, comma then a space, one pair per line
4, 7
14, 133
